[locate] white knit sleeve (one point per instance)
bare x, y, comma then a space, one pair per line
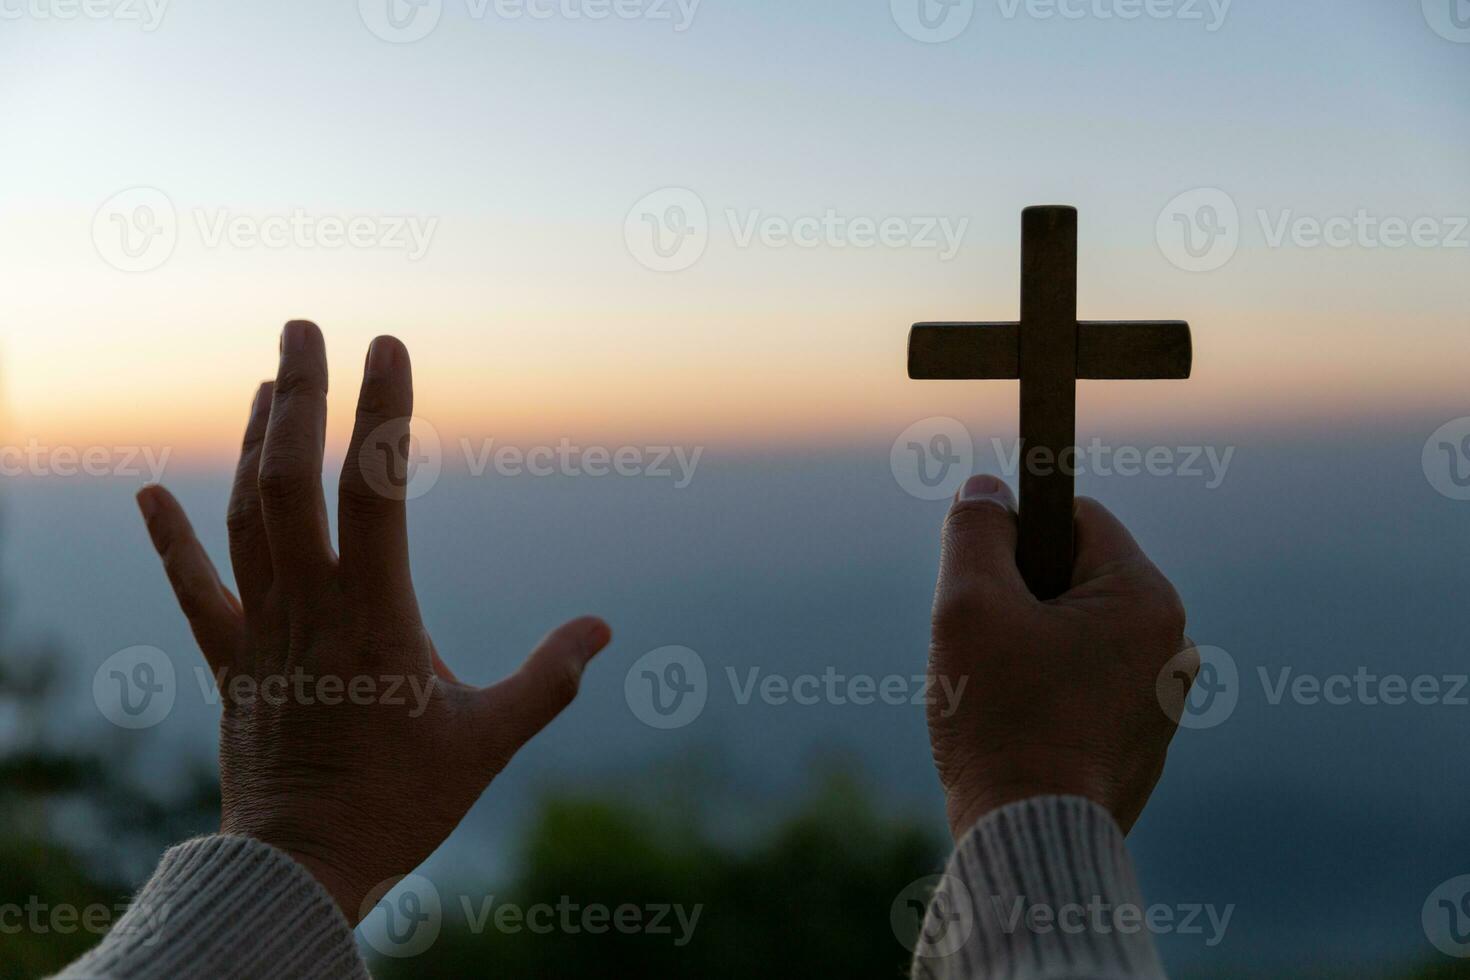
1042, 889
226, 907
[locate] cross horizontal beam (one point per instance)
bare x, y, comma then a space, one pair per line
1106, 351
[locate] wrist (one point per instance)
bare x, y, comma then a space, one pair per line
1011, 779
345, 895
965, 813
339, 886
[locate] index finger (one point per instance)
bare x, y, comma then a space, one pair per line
1101, 540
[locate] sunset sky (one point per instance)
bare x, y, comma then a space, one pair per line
524, 143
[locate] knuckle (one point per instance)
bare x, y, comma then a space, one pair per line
299, 379
283, 480
1165, 610
189, 603
376, 404
163, 537
959, 609
241, 518
192, 595
561, 683
1176, 616
380, 424
967, 522
971, 539
377, 435
967, 567
356, 498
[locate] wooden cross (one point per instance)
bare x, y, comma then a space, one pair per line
1049, 350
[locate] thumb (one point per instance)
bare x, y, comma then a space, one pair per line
513, 711
978, 556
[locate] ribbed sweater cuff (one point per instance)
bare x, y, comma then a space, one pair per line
1038, 890
222, 907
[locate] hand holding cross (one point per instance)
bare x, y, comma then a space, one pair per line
1049, 350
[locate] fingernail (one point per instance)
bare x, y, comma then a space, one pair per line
147, 503
599, 636
293, 338
381, 357
983, 486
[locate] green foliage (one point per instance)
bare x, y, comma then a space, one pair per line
53, 883
37, 871
811, 898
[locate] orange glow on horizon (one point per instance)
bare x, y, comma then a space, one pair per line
736, 399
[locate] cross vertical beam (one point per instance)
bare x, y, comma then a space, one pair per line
1048, 369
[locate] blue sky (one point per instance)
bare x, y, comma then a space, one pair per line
526, 141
